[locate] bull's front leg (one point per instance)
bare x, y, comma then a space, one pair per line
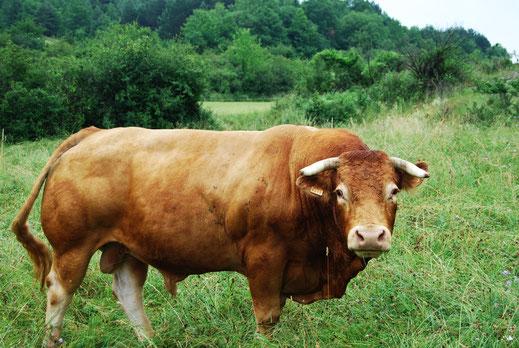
264, 270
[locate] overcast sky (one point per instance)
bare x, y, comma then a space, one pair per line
498, 20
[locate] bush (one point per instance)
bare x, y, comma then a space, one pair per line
337, 107
384, 62
496, 64
222, 77
30, 106
335, 71
125, 77
437, 64
131, 79
396, 86
34, 113
281, 75
502, 99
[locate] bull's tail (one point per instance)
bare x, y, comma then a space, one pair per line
38, 251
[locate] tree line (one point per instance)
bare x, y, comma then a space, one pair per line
287, 26
69, 64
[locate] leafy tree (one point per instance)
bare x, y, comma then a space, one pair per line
29, 109
129, 11
262, 18
174, 16
303, 35
337, 107
247, 54
223, 79
287, 12
283, 75
255, 66
78, 18
210, 28
498, 51
27, 34
150, 11
325, 14
480, 40
364, 6
396, 86
12, 11
48, 18
112, 13
362, 30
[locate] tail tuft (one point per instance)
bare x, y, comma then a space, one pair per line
37, 250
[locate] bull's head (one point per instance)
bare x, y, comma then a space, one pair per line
361, 188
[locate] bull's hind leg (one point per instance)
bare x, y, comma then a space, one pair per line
67, 273
129, 277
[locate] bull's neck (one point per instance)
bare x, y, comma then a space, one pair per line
339, 264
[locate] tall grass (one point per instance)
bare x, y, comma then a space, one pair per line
450, 279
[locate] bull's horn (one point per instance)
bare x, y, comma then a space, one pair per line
320, 166
409, 168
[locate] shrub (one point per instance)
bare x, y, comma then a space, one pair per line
34, 113
502, 99
131, 79
437, 64
337, 107
335, 71
396, 86
383, 63
281, 75
222, 77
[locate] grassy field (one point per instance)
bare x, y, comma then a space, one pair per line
237, 108
451, 278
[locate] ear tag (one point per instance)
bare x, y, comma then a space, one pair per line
316, 191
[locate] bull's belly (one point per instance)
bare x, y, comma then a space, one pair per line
182, 246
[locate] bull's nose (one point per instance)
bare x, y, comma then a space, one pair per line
369, 239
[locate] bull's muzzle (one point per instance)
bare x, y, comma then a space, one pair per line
369, 240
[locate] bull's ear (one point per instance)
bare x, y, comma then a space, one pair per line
316, 186
410, 182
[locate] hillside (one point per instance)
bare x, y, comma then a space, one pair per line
291, 27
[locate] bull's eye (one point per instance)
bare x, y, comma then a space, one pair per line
394, 191
339, 193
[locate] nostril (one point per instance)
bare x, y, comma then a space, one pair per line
359, 235
381, 236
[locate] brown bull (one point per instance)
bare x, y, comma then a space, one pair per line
297, 210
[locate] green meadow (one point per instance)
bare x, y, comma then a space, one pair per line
223, 109
450, 280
